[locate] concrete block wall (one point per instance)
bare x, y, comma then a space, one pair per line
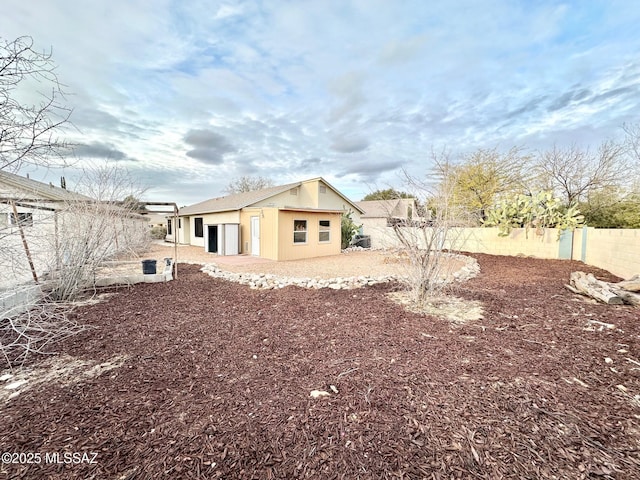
615, 250
519, 242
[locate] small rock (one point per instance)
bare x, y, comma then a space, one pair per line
16, 384
319, 394
333, 388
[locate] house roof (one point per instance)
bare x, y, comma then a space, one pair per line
38, 190
238, 201
235, 201
379, 208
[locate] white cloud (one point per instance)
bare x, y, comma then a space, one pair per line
370, 82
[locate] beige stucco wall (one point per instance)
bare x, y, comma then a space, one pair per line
207, 219
309, 196
285, 199
41, 243
519, 242
184, 232
381, 235
615, 250
481, 240
268, 231
288, 250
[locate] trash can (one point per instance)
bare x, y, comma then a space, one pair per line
363, 241
149, 267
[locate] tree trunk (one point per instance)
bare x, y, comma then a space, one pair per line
631, 285
587, 284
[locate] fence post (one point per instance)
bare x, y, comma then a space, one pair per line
565, 247
583, 256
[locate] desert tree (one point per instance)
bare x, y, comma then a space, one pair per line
247, 184
475, 181
31, 115
386, 194
573, 173
613, 207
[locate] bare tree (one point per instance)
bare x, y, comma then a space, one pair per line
632, 139
574, 172
29, 130
248, 184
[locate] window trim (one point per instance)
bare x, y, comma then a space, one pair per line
24, 219
296, 230
198, 224
324, 229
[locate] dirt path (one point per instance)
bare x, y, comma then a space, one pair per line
216, 383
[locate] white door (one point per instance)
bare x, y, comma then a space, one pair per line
255, 236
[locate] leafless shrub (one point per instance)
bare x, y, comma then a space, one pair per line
91, 232
428, 243
61, 251
35, 331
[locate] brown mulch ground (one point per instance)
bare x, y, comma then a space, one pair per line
217, 378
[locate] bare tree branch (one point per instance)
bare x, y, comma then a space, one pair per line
574, 172
29, 132
248, 184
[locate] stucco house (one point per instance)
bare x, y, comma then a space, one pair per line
285, 222
40, 224
29, 221
378, 215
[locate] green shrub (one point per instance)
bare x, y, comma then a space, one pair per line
348, 229
158, 233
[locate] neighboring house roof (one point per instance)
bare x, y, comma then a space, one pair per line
37, 190
380, 208
238, 201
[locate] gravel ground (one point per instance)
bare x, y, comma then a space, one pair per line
372, 263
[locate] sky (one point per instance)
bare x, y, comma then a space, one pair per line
187, 95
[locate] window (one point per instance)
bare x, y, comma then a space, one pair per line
324, 234
323, 189
299, 231
24, 219
168, 226
199, 228
179, 223
294, 191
